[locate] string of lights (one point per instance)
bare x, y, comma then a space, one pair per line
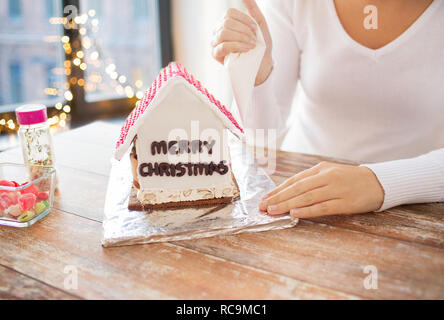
90, 53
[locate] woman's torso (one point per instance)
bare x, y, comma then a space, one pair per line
364, 104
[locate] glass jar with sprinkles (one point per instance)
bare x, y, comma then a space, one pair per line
35, 137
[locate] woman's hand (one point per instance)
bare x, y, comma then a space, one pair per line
237, 33
326, 189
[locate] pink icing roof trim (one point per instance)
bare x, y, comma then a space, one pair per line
174, 69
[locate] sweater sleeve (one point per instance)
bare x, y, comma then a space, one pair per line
416, 180
272, 100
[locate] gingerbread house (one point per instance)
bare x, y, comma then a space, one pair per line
178, 136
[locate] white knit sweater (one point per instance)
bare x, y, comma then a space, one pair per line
371, 106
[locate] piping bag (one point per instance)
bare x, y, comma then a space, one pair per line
242, 70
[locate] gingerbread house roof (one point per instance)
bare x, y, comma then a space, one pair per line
172, 71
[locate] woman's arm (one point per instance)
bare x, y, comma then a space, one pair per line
275, 84
415, 180
330, 189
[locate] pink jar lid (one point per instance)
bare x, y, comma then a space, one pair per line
31, 114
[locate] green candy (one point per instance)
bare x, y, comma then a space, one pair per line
46, 203
40, 207
26, 216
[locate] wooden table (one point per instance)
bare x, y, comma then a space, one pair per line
319, 258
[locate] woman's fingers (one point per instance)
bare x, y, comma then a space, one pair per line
304, 200
347, 189
299, 187
301, 175
256, 13
225, 48
235, 25
226, 35
330, 207
236, 34
241, 17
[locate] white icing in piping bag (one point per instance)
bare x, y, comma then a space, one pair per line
242, 70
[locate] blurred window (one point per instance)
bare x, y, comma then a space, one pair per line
121, 46
141, 11
15, 9
119, 56
31, 54
50, 10
15, 80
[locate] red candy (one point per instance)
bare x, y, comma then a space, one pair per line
31, 189
43, 196
27, 201
5, 183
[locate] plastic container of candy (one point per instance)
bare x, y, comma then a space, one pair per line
23, 200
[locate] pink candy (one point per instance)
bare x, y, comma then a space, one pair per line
27, 201
7, 199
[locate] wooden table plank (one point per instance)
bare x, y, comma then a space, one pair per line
98, 133
396, 223
73, 154
160, 271
335, 257
81, 193
14, 286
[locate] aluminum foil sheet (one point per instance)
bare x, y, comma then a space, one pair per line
123, 227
